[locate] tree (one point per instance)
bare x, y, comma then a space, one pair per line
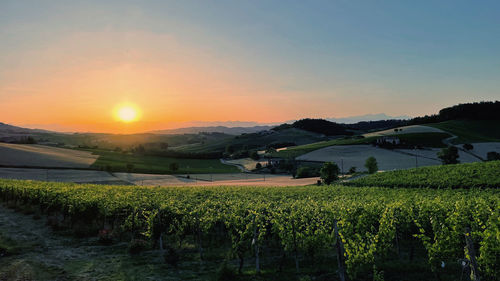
492, 156
174, 166
164, 145
468, 146
254, 155
371, 164
352, 170
449, 155
329, 172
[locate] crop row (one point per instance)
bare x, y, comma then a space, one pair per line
364, 226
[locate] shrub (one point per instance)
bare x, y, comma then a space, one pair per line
254, 155
468, 146
449, 155
493, 155
329, 172
371, 164
352, 170
306, 172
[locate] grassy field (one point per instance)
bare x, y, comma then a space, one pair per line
469, 131
423, 139
469, 175
117, 162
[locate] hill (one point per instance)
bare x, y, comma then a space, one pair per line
214, 129
469, 131
319, 126
256, 141
470, 175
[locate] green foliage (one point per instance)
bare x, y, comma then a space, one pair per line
449, 155
254, 155
352, 170
469, 175
371, 165
295, 219
468, 146
306, 172
470, 131
492, 156
329, 172
114, 161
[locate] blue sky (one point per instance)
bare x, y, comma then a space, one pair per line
315, 58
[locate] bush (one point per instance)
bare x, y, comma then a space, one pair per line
136, 246
329, 172
352, 170
371, 164
254, 155
306, 172
492, 156
468, 146
449, 155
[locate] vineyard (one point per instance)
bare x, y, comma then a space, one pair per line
481, 174
366, 233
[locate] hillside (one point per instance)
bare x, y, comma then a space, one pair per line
469, 131
470, 175
260, 140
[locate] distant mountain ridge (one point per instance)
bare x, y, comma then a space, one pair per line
214, 129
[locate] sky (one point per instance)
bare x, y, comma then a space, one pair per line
67, 65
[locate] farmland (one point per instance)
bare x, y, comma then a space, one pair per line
483, 174
429, 139
117, 162
471, 130
44, 156
298, 231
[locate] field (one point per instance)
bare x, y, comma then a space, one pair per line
469, 131
429, 139
29, 155
413, 129
284, 233
117, 162
60, 175
483, 174
387, 159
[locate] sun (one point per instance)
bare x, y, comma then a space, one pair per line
127, 113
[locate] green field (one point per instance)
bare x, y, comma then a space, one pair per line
470, 175
423, 139
117, 162
396, 234
471, 130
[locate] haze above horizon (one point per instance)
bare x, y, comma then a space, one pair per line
71, 64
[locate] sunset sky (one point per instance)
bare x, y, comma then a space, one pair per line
67, 65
